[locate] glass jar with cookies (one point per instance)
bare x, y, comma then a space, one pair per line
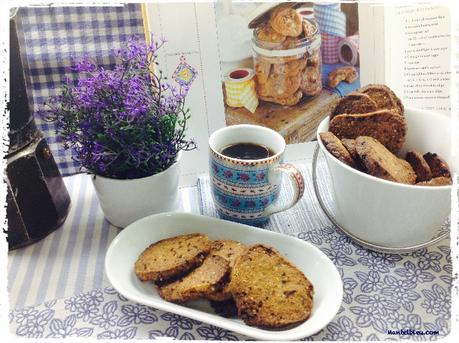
286, 49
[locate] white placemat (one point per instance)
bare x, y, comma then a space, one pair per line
71, 259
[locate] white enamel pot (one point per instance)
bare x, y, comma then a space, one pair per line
125, 201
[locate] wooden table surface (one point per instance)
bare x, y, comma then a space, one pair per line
295, 123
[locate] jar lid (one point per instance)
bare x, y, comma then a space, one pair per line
262, 11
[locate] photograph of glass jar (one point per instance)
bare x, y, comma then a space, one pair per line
286, 56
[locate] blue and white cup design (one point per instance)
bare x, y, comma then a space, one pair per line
247, 190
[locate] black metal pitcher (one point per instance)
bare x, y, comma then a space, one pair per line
37, 199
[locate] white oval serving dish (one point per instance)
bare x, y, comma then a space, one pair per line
126, 247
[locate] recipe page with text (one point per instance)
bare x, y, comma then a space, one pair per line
419, 50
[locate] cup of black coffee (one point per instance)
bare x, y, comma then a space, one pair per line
246, 172
247, 151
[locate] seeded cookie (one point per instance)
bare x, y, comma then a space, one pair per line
314, 59
290, 43
384, 125
267, 34
336, 148
348, 74
420, 166
208, 278
436, 181
437, 165
291, 68
354, 103
171, 257
279, 86
287, 101
268, 290
311, 81
286, 21
229, 250
384, 97
380, 162
308, 29
262, 70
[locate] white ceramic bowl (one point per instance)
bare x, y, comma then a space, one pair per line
387, 213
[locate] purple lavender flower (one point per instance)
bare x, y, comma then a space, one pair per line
84, 65
122, 122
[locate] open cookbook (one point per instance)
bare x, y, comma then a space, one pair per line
245, 72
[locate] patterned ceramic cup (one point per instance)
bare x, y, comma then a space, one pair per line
247, 190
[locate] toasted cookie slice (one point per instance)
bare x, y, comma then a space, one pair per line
171, 257
437, 165
420, 166
336, 148
436, 181
208, 278
354, 103
268, 290
229, 250
349, 144
226, 308
381, 163
384, 97
384, 125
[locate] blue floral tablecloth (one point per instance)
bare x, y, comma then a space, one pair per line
386, 294
104, 313
382, 292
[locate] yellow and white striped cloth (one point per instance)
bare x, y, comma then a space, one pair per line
241, 92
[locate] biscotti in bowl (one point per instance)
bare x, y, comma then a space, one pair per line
394, 195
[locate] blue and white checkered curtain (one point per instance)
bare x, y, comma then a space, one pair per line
51, 38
